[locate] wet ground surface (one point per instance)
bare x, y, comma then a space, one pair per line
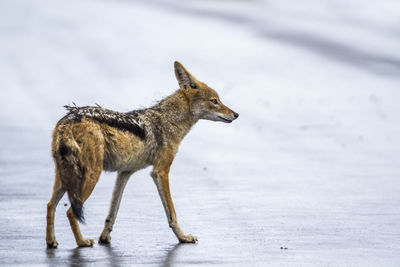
310, 218
307, 176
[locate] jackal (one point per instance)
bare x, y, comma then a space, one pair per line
90, 139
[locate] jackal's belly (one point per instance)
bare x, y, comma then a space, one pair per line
123, 151
118, 162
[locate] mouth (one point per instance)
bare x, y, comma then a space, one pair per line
225, 120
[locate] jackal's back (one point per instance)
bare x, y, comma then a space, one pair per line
129, 121
118, 137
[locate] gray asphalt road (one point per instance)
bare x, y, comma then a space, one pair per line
244, 220
310, 166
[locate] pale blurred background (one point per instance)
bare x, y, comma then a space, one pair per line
312, 163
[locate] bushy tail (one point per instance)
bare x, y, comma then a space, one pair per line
77, 209
71, 173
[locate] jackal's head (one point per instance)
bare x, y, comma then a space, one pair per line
204, 101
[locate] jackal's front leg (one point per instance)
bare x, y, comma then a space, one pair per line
161, 180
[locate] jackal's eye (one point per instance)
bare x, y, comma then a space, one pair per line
215, 101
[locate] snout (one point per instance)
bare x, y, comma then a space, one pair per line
228, 118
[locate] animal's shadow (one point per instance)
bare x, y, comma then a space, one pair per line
78, 257
169, 258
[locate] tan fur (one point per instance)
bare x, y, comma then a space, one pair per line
82, 148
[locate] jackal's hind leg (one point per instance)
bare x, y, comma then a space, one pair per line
58, 193
119, 187
80, 241
90, 180
162, 182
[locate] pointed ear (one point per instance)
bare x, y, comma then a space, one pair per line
185, 79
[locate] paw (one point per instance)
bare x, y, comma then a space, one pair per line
188, 239
86, 243
52, 244
105, 239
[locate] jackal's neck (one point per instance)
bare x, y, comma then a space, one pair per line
175, 110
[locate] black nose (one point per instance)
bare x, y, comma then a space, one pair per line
235, 115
